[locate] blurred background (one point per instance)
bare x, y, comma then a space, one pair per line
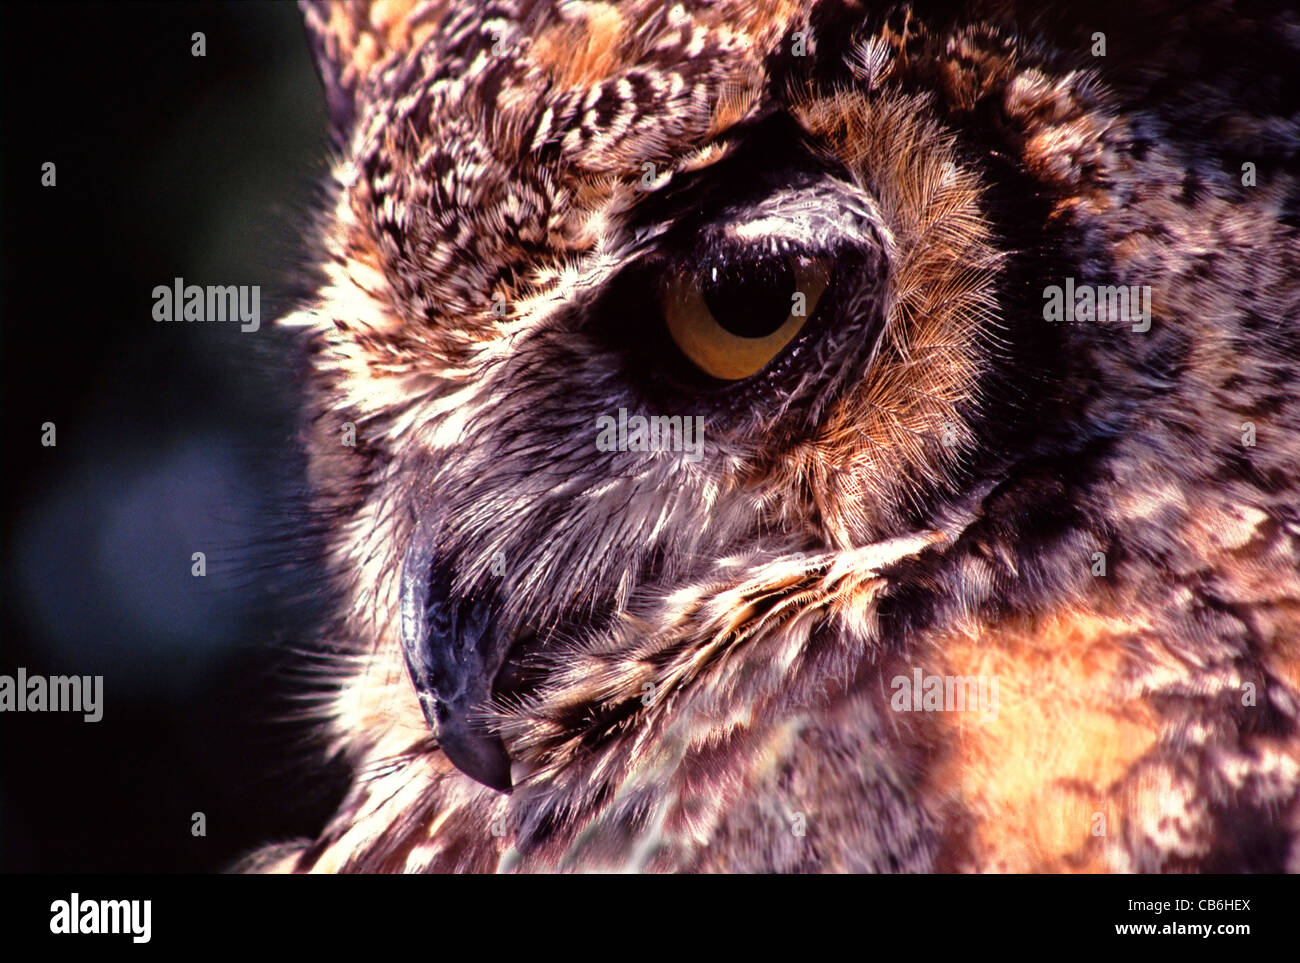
172, 438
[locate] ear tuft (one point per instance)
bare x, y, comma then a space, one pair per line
352, 39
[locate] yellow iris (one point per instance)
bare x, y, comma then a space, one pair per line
722, 354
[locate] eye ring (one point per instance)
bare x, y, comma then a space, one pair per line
721, 351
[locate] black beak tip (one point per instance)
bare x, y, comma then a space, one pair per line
480, 756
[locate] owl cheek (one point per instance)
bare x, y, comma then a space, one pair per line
452, 653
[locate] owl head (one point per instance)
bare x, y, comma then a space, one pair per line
677, 366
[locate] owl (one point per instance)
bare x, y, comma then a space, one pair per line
805, 436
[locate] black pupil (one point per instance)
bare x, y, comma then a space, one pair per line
750, 299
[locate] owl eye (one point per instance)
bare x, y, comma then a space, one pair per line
735, 315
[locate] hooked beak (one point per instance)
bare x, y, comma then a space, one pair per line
453, 654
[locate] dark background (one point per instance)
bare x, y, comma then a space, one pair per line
171, 437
